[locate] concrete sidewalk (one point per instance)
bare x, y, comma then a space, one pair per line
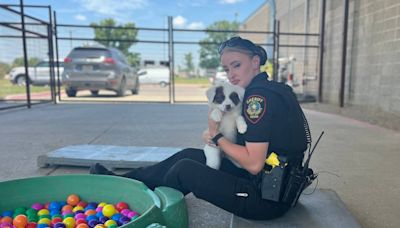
357, 160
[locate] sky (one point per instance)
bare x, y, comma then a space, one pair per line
187, 14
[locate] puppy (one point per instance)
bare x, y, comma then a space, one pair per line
225, 102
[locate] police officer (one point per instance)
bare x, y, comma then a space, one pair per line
275, 124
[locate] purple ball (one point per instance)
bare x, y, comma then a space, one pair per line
93, 222
80, 216
124, 220
103, 219
59, 225
125, 212
99, 209
132, 214
37, 206
5, 224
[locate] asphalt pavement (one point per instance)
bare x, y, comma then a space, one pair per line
357, 160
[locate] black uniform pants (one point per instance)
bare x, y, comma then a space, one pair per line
230, 187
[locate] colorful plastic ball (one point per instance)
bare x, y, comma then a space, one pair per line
54, 206
42, 226
124, 220
92, 204
7, 214
69, 222
20, 221
109, 210
19, 211
67, 208
66, 212
82, 225
31, 211
73, 200
91, 217
82, 204
31, 225
99, 209
110, 222
132, 214
45, 216
116, 217
99, 214
6, 225
56, 220
125, 212
44, 221
59, 225
6, 219
121, 206
56, 216
93, 222
99, 226
101, 204
46, 205
33, 218
80, 216
43, 212
79, 221
90, 212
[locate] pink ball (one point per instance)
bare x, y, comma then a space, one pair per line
99, 209
132, 213
125, 212
80, 216
37, 206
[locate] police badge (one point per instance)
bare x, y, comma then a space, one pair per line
255, 108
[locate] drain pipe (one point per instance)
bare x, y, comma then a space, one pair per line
271, 37
344, 51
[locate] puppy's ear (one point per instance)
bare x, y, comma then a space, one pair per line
210, 93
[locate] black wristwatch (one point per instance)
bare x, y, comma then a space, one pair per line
216, 138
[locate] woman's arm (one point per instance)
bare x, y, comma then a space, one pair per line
251, 156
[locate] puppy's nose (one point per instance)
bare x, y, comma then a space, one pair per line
228, 107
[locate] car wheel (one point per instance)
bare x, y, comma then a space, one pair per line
163, 84
136, 89
20, 80
71, 92
94, 92
122, 88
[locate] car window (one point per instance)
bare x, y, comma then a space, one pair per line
43, 64
89, 53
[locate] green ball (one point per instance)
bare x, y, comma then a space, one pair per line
31, 211
32, 218
44, 216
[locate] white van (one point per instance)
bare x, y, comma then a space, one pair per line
154, 75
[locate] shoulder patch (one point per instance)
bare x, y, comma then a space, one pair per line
255, 108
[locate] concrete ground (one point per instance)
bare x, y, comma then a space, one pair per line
357, 160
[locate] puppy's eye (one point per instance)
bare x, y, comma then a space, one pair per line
234, 98
219, 95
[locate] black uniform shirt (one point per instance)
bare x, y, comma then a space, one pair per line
268, 116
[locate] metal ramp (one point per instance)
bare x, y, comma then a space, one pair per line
111, 156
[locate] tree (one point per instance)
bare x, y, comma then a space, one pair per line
20, 61
209, 57
4, 69
189, 62
122, 37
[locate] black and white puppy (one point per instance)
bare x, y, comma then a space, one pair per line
225, 102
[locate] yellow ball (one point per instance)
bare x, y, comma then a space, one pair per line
110, 223
99, 226
78, 208
44, 221
102, 204
69, 222
109, 210
43, 212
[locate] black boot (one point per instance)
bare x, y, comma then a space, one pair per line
99, 169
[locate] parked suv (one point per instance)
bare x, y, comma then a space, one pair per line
38, 74
98, 68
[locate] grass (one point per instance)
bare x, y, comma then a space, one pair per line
7, 88
197, 81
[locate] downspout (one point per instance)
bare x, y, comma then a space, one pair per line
271, 38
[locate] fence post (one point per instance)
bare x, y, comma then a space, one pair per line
26, 63
171, 60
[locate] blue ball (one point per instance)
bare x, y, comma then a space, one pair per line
8, 213
54, 206
116, 217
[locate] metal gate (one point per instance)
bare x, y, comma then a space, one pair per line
26, 58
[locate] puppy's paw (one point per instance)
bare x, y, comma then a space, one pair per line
216, 115
241, 125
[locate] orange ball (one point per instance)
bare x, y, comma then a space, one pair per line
20, 221
82, 225
73, 200
6, 219
67, 208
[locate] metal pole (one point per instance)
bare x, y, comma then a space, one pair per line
51, 58
273, 53
26, 64
344, 52
171, 61
321, 50
277, 45
57, 56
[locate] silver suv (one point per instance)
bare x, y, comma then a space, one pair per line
97, 68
